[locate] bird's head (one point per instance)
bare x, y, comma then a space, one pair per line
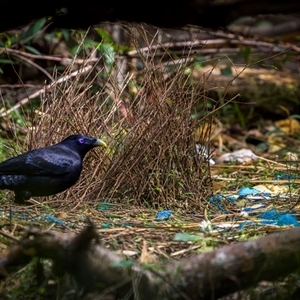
83, 143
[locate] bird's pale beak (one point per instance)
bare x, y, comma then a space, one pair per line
100, 143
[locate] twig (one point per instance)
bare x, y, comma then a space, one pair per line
29, 61
218, 45
16, 86
49, 86
8, 236
63, 60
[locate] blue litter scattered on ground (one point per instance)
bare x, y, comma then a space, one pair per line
287, 219
285, 176
106, 225
218, 198
104, 205
163, 215
231, 198
248, 191
253, 194
246, 223
272, 217
216, 201
52, 219
253, 208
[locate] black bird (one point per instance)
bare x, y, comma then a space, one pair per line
46, 171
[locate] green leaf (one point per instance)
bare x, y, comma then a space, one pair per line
180, 184
295, 116
33, 50
246, 52
108, 52
186, 237
200, 59
6, 61
104, 35
226, 71
36, 27
66, 34
33, 29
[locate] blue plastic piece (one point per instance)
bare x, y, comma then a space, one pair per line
287, 219
253, 207
106, 225
52, 219
231, 198
218, 198
248, 191
104, 205
163, 215
285, 176
272, 217
244, 224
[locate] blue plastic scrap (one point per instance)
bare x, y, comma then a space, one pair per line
246, 191
104, 205
253, 208
163, 215
231, 198
216, 200
272, 217
245, 224
285, 176
287, 219
52, 219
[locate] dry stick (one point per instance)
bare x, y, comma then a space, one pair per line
36, 66
206, 276
49, 86
17, 86
88, 262
119, 103
277, 163
8, 236
220, 42
63, 60
238, 266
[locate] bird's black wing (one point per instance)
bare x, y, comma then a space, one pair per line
44, 161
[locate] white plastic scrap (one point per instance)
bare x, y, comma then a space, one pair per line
241, 156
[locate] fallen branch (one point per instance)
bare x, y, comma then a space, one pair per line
82, 256
226, 270
206, 276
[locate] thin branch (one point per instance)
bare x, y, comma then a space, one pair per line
36, 94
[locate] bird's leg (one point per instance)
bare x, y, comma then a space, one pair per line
22, 196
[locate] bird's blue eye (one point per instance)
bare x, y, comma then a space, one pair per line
81, 141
